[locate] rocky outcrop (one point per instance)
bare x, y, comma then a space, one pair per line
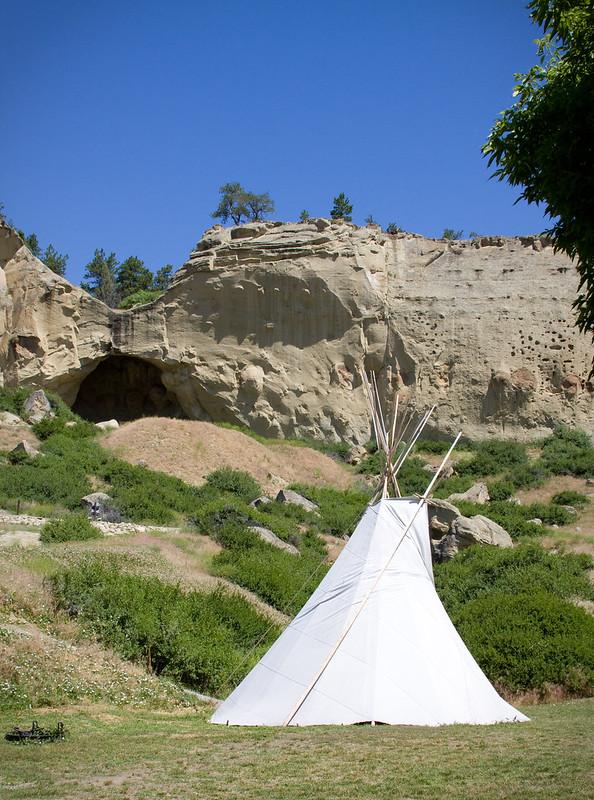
266, 324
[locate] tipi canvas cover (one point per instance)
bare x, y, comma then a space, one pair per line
372, 644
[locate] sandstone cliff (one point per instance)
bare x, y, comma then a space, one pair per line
266, 323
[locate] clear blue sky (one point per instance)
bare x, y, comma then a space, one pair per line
120, 120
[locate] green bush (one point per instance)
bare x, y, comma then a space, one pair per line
500, 490
492, 457
235, 482
197, 638
527, 568
71, 528
434, 446
570, 498
284, 580
568, 452
527, 476
529, 641
57, 425
339, 510
516, 519
13, 400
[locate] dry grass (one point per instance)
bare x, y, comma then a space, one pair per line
117, 752
191, 450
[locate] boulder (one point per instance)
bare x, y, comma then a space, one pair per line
570, 509
446, 472
25, 448
356, 455
108, 425
535, 521
8, 420
37, 407
441, 515
100, 505
466, 531
269, 536
289, 496
260, 501
479, 530
478, 493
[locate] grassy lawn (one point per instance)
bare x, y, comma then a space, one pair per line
113, 752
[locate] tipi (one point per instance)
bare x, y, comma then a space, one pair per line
373, 643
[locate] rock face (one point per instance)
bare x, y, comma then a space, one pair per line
266, 324
466, 531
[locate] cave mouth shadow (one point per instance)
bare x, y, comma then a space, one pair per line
125, 388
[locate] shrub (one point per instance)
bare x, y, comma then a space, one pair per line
500, 490
568, 452
570, 498
528, 476
13, 400
339, 510
197, 638
235, 482
492, 457
73, 527
57, 425
434, 446
527, 568
516, 519
526, 641
281, 579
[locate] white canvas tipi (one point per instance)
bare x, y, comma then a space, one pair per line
373, 643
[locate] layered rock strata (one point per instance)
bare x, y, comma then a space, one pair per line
266, 324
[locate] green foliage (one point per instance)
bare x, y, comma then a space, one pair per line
163, 278
527, 476
197, 638
493, 456
284, 580
13, 400
516, 519
434, 446
512, 609
543, 143
32, 243
133, 276
140, 298
452, 234
342, 208
369, 220
570, 498
529, 641
392, 228
235, 482
340, 510
304, 216
71, 528
236, 203
54, 260
568, 452
501, 490
100, 278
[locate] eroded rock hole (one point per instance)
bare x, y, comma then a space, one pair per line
125, 388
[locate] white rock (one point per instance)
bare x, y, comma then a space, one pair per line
478, 493
26, 448
535, 521
8, 420
296, 499
108, 425
271, 538
37, 407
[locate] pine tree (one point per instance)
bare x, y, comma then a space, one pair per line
54, 260
132, 276
100, 278
163, 278
342, 208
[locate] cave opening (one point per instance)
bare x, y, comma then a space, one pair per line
125, 388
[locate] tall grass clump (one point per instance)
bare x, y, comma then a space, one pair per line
196, 638
235, 482
513, 610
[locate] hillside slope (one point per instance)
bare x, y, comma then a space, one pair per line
190, 450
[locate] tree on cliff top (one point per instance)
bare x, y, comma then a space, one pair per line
100, 278
236, 204
342, 208
133, 276
545, 141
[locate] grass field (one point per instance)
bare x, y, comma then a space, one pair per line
121, 753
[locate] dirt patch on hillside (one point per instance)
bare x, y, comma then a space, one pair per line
578, 535
11, 435
190, 450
